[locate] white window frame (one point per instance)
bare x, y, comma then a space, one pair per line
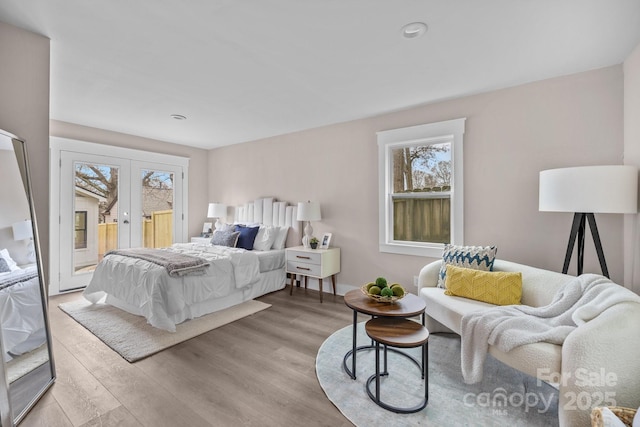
412, 136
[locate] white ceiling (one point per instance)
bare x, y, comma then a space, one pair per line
242, 70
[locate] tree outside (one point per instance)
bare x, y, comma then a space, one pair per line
424, 169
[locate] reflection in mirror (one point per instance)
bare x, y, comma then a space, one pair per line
26, 352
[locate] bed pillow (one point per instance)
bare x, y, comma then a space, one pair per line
494, 287
247, 236
265, 238
4, 267
474, 257
281, 238
227, 227
10, 262
225, 238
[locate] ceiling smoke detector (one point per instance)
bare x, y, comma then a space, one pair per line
414, 30
178, 117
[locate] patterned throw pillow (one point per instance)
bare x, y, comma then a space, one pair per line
494, 287
474, 257
4, 267
225, 238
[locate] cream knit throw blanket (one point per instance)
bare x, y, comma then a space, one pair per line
507, 327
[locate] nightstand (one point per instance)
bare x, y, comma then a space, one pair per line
316, 263
201, 240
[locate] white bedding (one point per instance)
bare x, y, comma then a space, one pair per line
270, 260
145, 288
21, 314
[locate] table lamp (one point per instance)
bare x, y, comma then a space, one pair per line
23, 230
588, 190
308, 211
217, 210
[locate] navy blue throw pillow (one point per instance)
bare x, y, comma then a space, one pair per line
247, 236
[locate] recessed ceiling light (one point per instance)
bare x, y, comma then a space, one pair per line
178, 117
414, 30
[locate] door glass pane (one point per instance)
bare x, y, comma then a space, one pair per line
96, 214
157, 208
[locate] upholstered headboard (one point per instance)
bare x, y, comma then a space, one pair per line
268, 211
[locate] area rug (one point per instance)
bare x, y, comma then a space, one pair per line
27, 362
505, 397
134, 339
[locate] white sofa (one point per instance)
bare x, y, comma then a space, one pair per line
605, 347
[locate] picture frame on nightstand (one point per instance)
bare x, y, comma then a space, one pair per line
207, 230
326, 241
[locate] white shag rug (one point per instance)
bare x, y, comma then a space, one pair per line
27, 362
505, 397
134, 339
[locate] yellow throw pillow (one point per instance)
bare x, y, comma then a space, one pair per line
494, 287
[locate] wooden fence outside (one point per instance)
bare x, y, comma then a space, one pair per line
422, 220
157, 232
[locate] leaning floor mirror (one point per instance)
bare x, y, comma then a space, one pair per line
27, 360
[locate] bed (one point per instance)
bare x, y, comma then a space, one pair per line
21, 316
227, 276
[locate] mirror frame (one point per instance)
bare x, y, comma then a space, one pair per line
7, 418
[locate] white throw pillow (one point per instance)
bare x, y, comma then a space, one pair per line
636, 419
281, 238
10, 262
264, 239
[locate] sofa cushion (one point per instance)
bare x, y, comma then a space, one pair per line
538, 286
542, 360
449, 310
474, 257
500, 288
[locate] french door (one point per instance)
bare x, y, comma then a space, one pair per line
109, 203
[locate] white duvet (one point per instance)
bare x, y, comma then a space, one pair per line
157, 295
21, 314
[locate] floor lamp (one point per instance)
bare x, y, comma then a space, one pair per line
588, 190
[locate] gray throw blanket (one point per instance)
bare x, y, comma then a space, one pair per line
175, 263
18, 278
575, 303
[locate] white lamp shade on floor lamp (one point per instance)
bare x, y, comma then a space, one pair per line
595, 189
587, 190
308, 211
217, 210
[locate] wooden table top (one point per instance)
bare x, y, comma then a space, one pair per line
396, 332
409, 306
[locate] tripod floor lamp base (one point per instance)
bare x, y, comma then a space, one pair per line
578, 230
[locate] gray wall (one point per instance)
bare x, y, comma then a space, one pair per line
632, 157
511, 135
24, 111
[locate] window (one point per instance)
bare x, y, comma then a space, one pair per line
421, 195
81, 230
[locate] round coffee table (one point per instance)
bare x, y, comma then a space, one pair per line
409, 306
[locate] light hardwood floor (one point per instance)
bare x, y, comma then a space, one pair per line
257, 371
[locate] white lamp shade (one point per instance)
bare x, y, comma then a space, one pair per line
22, 230
217, 210
308, 211
589, 189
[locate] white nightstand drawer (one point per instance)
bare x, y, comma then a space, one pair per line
304, 268
306, 257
